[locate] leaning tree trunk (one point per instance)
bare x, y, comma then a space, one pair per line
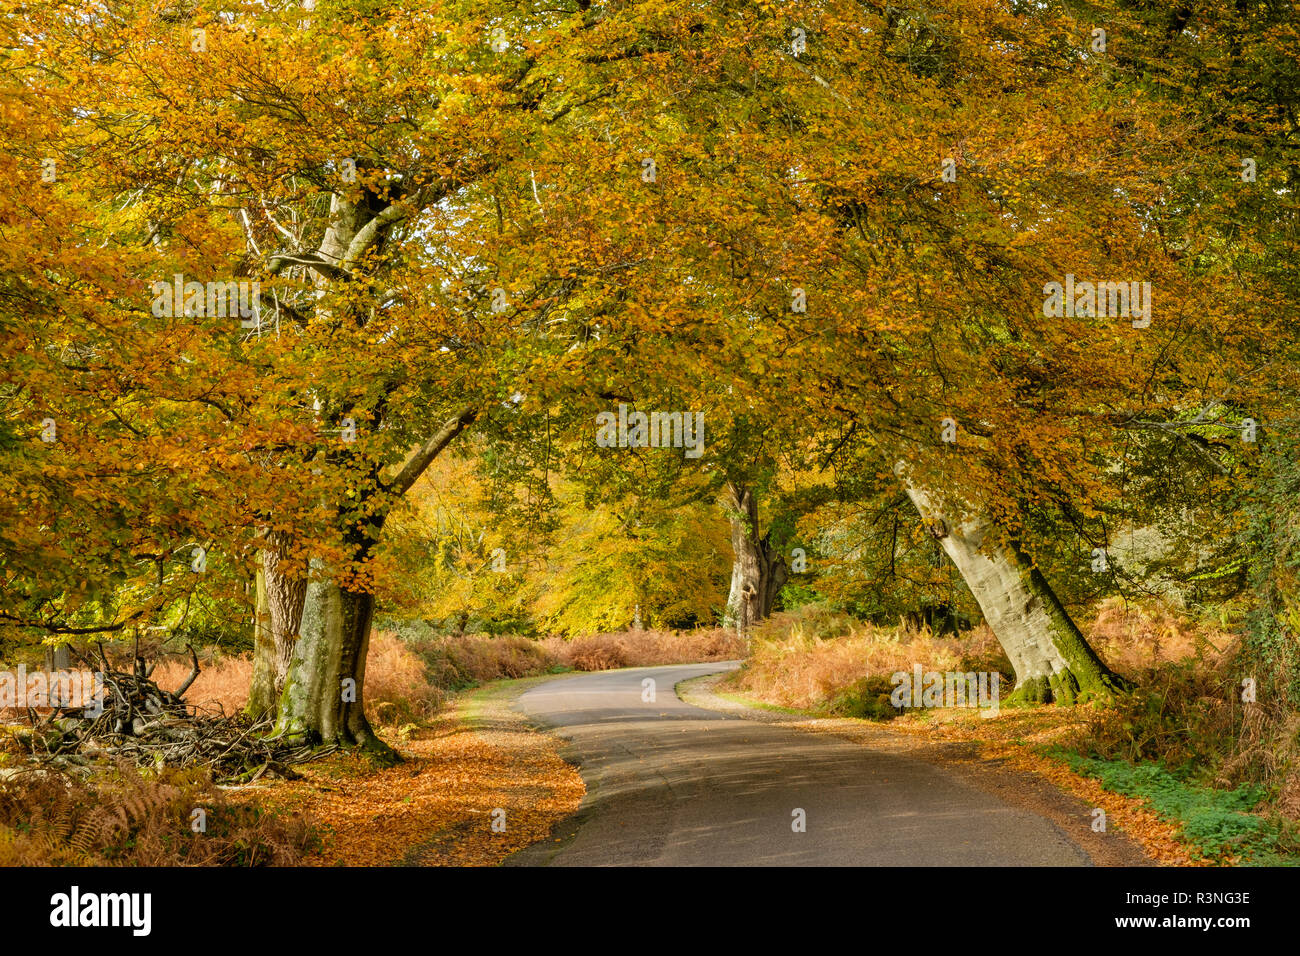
283, 587
323, 700
1052, 659
757, 573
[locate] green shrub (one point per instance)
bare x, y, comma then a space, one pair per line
867, 699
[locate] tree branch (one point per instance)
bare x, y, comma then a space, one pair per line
369, 233
311, 261
417, 463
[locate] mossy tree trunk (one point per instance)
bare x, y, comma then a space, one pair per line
323, 696
322, 659
281, 592
323, 700
1052, 659
757, 572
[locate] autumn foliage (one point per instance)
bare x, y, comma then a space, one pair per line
308, 312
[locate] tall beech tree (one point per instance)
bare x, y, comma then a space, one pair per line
437, 204
890, 203
758, 571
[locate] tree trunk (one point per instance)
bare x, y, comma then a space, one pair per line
757, 574
285, 596
1051, 658
321, 666
57, 658
261, 690
321, 630
283, 588
323, 698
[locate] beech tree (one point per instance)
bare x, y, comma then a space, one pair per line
758, 571
901, 202
417, 194
123, 456
1231, 70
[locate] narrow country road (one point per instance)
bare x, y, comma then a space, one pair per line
669, 784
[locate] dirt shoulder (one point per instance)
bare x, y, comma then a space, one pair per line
1008, 770
437, 808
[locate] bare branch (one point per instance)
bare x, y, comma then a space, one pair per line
194, 659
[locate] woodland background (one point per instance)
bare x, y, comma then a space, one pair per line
827, 225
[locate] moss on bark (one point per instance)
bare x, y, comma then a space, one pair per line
1086, 677
331, 650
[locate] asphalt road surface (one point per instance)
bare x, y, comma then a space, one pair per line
669, 784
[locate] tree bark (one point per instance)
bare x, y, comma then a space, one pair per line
323, 699
285, 583
57, 658
261, 690
757, 573
1052, 659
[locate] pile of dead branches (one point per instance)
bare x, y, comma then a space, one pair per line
151, 727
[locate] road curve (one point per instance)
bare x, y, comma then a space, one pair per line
669, 784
